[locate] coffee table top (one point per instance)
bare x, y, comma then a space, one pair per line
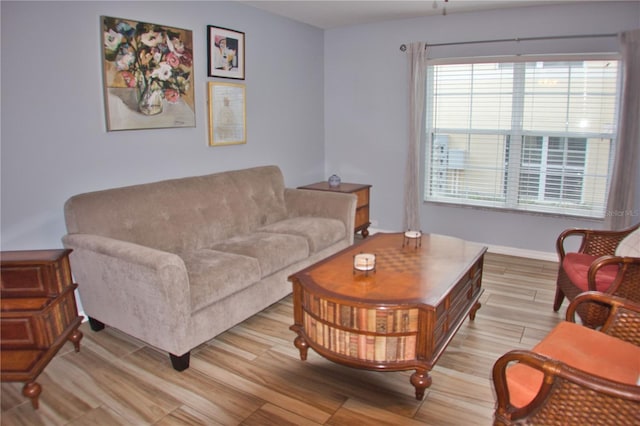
403, 275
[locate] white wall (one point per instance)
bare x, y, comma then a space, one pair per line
317, 104
366, 106
53, 138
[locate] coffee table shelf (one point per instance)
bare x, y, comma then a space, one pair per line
400, 317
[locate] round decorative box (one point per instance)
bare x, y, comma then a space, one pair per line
364, 261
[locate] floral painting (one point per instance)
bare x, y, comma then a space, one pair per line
148, 75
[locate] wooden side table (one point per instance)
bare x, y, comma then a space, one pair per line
362, 207
38, 314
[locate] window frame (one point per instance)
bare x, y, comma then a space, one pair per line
513, 151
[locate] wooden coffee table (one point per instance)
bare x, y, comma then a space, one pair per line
399, 316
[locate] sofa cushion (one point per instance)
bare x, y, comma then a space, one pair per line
182, 214
579, 347
214, 275
319, 232
273, 251
261, 193
576, 265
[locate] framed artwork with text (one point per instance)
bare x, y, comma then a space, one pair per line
227, 114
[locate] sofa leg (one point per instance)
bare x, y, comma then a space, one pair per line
181, 362
558, 299
95, 324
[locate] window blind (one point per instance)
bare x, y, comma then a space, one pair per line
529, 135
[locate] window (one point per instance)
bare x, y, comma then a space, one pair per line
533, 136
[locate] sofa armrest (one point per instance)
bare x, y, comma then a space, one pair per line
334, 205
139, 290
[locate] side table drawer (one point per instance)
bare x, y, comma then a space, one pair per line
18, 332
363, 197
46, 276
37, 329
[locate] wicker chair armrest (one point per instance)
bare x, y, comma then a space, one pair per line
557, 395
569, 233
623, 320
594, 241
627, 281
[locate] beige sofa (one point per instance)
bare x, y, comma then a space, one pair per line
174, 263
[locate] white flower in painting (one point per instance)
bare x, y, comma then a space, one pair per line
112, 40
163, 72
125, 61
175, 45
151, 39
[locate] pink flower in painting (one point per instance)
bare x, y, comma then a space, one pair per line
186, 59
173, 60
172, 95
129, 79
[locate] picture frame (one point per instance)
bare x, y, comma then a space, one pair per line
227, 114
147, 75
225, 53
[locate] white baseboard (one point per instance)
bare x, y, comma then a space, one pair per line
530, 254
509, 251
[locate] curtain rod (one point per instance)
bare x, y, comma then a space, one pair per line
403, 47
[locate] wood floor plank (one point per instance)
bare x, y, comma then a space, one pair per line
356, 412
443, 410
272, 415
252, 374
101, 416
307, 409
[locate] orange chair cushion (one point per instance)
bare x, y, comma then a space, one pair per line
579, 347
576, 265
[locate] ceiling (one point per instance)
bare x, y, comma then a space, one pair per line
327, 14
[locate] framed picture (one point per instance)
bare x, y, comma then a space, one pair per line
225, 53
148, 75
227, 114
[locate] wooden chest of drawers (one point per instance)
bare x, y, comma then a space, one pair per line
38, 314
362, 191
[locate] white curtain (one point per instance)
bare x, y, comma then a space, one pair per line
624, 182
416, 56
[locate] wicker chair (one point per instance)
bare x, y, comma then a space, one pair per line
567, 395
607, 272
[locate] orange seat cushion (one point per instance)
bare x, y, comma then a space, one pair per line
576, 265
579, 347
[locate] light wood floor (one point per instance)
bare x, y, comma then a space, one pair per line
252, 374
